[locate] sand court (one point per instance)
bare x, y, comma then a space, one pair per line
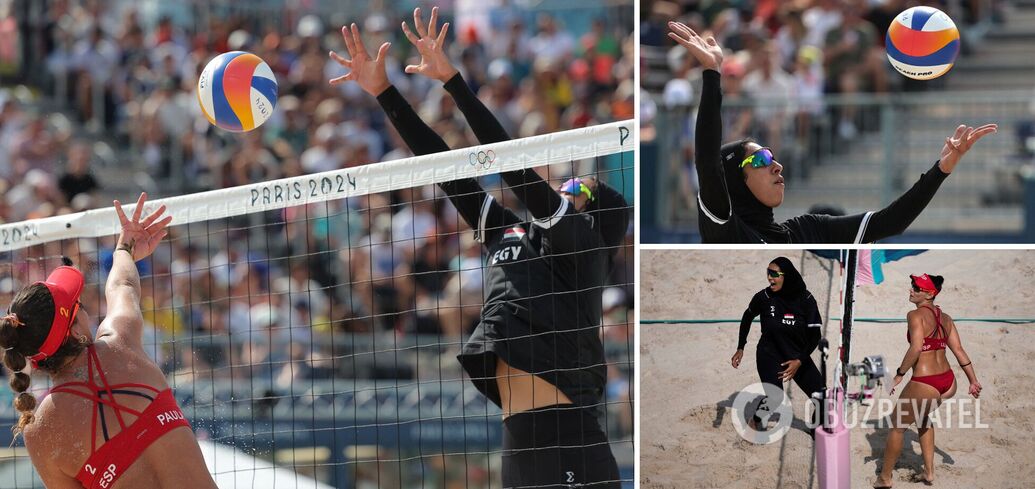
688, 384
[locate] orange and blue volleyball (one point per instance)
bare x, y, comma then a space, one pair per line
237, 91
923, 43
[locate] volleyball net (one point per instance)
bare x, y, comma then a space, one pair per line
309, 326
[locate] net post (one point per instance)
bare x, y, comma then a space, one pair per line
851, 263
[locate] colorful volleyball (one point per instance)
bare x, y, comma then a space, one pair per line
923, 43
237, 91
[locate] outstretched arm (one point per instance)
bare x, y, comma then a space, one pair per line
713, 197
122, 290
371, 76
897, 216
900, 214
611, 211
535, 193
434, 63
959, 143
466, 194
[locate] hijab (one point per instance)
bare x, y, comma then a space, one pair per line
610, 218
744, 203
793, 294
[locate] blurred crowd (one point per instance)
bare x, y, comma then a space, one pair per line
785, 61
269, 291
136, 79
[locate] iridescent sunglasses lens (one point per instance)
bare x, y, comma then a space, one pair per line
759, 159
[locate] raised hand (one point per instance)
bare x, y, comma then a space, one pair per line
368, 73
141, 237
706, 50
961, 142
434, 63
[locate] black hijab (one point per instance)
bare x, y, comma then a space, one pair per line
610, 218
793, 294
744, 203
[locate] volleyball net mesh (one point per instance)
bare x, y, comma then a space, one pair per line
309, 326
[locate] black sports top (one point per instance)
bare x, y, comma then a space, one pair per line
786, 333
723, 212
542, 280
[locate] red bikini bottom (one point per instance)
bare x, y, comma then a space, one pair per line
942, 382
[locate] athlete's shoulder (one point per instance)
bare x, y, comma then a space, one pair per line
584, 227
806, 227
582, 218
567, 216
948, 324
40, 432
806, 219
50, 453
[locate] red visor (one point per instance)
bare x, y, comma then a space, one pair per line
925, 283
65, 284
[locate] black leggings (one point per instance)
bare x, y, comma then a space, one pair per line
808, 377
558, 446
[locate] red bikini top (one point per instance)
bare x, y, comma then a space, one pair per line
108, 462
930, 342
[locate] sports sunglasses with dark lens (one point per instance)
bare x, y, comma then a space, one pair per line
773, 273
759, 159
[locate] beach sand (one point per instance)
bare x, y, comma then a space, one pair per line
687, 384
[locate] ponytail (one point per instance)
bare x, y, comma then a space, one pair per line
19, 381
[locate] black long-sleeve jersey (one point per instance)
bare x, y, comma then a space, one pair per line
543, 279
785, 333
720, 224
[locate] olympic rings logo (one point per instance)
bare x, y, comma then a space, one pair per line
483, 158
